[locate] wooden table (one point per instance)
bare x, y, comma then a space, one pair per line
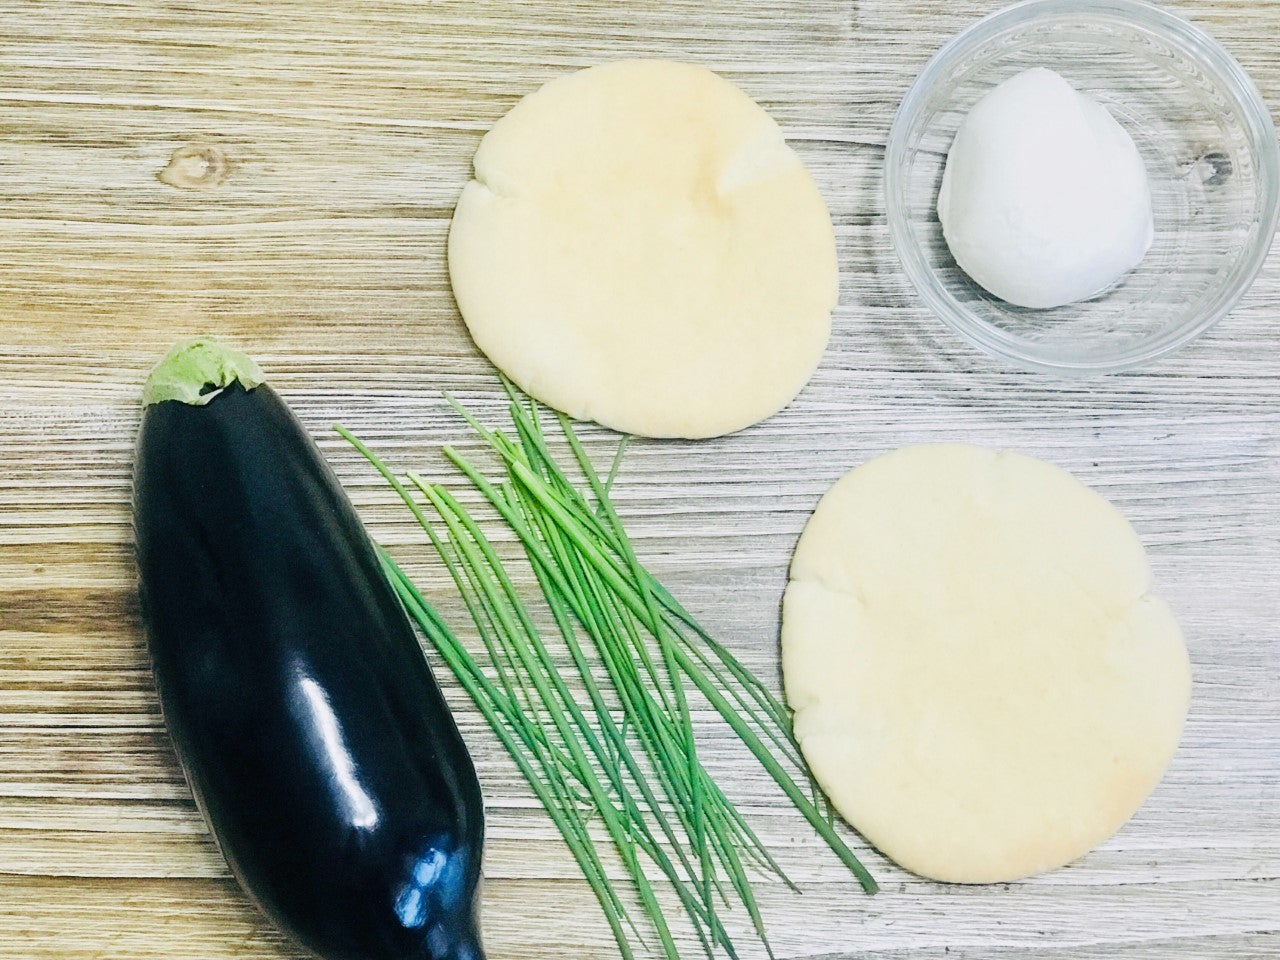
283, 174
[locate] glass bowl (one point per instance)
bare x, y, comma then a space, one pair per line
1212, 161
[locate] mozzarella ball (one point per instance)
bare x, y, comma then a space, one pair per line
1045, 199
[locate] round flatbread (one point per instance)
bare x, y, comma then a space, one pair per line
640, 247
982, 680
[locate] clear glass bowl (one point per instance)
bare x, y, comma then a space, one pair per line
1211, 155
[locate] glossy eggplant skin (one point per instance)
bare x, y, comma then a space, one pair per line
306, 719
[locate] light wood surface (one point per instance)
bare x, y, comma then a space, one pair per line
282, 174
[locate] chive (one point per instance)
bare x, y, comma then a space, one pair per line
719, 932
616, 536
529, 647
514, 625
556, 572
668, 655
622, 543
563, 814
628, 592
640, 774
570, 826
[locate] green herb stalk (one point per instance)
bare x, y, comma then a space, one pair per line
633, 769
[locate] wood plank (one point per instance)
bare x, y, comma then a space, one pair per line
339, 135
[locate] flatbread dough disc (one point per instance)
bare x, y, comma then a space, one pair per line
983, 682
640, 247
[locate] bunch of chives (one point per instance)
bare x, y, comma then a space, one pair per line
638, 772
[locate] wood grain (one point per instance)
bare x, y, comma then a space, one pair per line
283, 174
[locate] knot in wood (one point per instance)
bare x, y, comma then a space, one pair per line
196, 166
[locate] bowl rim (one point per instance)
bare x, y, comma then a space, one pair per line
1193, 40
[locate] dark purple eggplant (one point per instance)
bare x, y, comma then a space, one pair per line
308, 723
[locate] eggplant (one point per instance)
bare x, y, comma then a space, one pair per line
306, 719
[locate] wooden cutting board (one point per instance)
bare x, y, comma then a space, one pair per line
282, 174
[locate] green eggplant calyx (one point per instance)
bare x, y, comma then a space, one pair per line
196, 371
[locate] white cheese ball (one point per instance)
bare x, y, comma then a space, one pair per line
1045, 199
